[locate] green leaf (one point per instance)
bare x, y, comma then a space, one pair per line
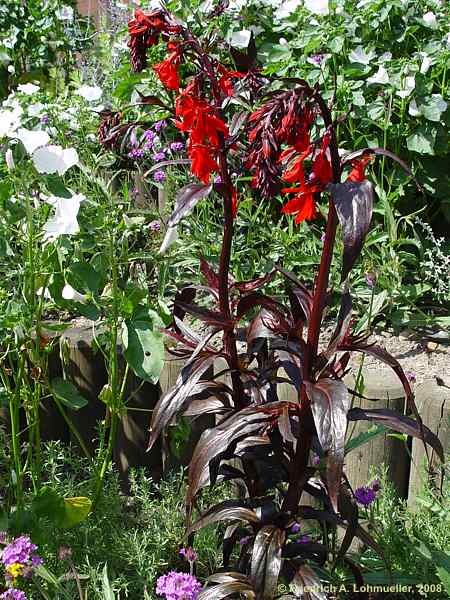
144, 349
107, 590
364, 437
48, 504
434, 108
56, 186
422, 141
76, 510
67, 393
85, 275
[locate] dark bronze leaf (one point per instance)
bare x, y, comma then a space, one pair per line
228, 510
186, 199
353, 202
266, 561
223, 590
306, 584
330, 403
398, 422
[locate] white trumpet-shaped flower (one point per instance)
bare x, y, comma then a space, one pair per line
381, 77
32, 139
64, 221
10, 119
70, 293
28, 88
44, 292
54, 159
319, 7
89, 93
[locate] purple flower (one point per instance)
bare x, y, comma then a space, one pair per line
178, 586
217, 179
159, 176
159, 156
177, 146
155, 226
19, 550
160, 125
365, 495
36, 561
315, 459
244, 540
411, 376
322, 237
304, 539
376, 485
371, 279
149, 137
13, 594
136, 153
295, 528
44, 120
189, 554
317, 59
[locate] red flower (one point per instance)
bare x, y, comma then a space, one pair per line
167, 70
225, 82
198, 119
203, 162
321, 168
359, 166
145, 30
303, 204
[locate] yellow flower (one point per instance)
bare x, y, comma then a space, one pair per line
15, 570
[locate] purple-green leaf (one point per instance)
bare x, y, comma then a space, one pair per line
266, 561
186, 199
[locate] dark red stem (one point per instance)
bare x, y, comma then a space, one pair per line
301, 458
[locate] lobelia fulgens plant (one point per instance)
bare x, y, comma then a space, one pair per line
291, 136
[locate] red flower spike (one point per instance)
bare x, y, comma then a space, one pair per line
167, 70
359, 165
296, 172
303, 205
321, 169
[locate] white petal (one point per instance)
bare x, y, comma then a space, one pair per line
32, 139
429, 19
319, 7
54, 159
9, 159
64, 221
36, 109
69, 293
65, 13
286, 8
413, 109
170, 237
408, 87
89, 93
381, 77
44, 292
10, 121
426, 64
359, 55
28, 88
241, 39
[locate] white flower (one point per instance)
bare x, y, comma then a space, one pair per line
381, 77
286, 8
32, 139
241, 39
90, 93
54, 159
426, 64
318, 7
359, 55
69, 293
429, 19
408, 87
385, 57
447, 40
9, 159
283, 41
65, 13
413, 109
10, 121
44, 292
28, 88
36, 109
170, 237
64, 220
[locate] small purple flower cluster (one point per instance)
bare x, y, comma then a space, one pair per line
159, 156
366, 495
303, 539
159, 176
22, 551
177, 146
13, 594
136, 153
155, 226
178, 586
160, 125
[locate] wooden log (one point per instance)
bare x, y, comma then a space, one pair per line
433, 404
383, 390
